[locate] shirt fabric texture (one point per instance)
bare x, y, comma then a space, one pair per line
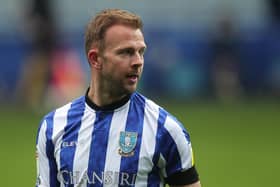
133, 142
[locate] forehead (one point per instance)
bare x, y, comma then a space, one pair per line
119, 36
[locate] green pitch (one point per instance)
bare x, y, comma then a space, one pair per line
234, 145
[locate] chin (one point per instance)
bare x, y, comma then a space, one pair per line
130, 89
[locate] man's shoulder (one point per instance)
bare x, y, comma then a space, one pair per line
162, 112
55, 121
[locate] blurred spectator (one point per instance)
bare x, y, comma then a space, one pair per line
67, 78
52, 73
40, 27
225, 61
274, 9
273, 73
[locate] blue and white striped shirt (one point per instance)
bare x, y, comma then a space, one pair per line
132, 143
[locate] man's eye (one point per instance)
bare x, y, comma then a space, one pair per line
127, 52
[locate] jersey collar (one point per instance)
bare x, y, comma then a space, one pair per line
109, 107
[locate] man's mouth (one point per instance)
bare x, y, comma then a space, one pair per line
133, 78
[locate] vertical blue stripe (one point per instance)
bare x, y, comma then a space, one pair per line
154, 175
98, 148
71, 130
168, 149
50, 151
134, 123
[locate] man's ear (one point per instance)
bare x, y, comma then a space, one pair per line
93, 59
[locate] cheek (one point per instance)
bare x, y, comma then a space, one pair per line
114, 71
115, 67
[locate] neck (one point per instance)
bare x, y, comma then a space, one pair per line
101, 97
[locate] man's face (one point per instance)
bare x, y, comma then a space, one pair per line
122, 59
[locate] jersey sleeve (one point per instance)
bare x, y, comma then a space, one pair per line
45, 161
176, 157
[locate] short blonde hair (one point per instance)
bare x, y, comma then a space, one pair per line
97, 27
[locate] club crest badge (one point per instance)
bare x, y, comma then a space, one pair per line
127, 143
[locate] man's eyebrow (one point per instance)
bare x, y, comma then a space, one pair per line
131, 48
125, 48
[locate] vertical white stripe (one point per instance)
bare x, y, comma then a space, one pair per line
59, 123
183, 146
113, 159
147, 144
81, 158
43, 162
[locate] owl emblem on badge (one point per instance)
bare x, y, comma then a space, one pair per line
127, 143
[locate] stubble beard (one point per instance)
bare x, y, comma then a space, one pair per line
117, 89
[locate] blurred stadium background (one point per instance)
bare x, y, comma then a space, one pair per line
214, 64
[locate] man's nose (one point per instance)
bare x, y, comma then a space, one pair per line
137, 60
